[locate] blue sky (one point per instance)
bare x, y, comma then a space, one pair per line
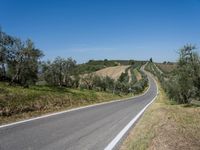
99, 29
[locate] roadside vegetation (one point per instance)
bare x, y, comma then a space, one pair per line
172, 121
166, 67
182, 84
165, 125
29, 86
17, 103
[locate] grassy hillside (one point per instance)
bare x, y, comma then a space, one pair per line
112, 72
168, 123
166, 68
18, 102
95, 65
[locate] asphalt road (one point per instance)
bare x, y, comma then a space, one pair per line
84, 129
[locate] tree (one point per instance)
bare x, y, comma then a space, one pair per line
131, 62
124, 77
87, 81
18, 60
6, 43
196, 74
106, 83
185, 83
75, 80
60, 71
23, 65
109, 83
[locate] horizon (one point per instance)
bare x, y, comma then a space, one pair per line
98, 30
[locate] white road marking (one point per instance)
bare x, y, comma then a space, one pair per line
70, 110
119, 136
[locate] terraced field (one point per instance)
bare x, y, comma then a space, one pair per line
112, 72
166, 68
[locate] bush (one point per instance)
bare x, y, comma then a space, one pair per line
183, 84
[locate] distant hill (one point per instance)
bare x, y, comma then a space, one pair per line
95, 65
112, 72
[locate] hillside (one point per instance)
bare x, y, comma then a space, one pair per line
18, 103
112, 72
166, 68
169, 123
95, 65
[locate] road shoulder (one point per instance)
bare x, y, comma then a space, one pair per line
165, 126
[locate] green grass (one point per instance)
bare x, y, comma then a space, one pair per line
94, 65
17, 103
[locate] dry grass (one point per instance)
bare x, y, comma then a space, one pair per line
166, 68
166, 126
137, 74
112, 72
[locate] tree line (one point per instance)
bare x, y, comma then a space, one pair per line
20, 63
18, 60
183, 83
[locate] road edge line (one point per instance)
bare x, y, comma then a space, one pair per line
120, 135
70, 110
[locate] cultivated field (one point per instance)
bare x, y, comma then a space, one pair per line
112, 72
166, 68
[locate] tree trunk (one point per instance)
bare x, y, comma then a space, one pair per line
3, 71
15, 77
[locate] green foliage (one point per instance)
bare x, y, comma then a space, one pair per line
60, 71
27, 64
122, 85
6, 43
18, 60
92, 81
19, 64
133, 75
16, 100
187, 75
94, 65
135, 87
139, 86
182, 84
124, 77
88, 68
131, 62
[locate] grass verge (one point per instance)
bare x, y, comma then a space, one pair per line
166, 126
17, 103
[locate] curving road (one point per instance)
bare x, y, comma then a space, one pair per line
90, 128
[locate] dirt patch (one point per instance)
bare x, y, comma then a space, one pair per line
167, 68
174, 133
138, 75
112, 72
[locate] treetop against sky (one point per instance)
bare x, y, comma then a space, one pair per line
99, 29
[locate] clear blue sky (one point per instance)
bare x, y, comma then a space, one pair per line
98, 29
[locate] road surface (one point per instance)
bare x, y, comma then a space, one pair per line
90, 128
